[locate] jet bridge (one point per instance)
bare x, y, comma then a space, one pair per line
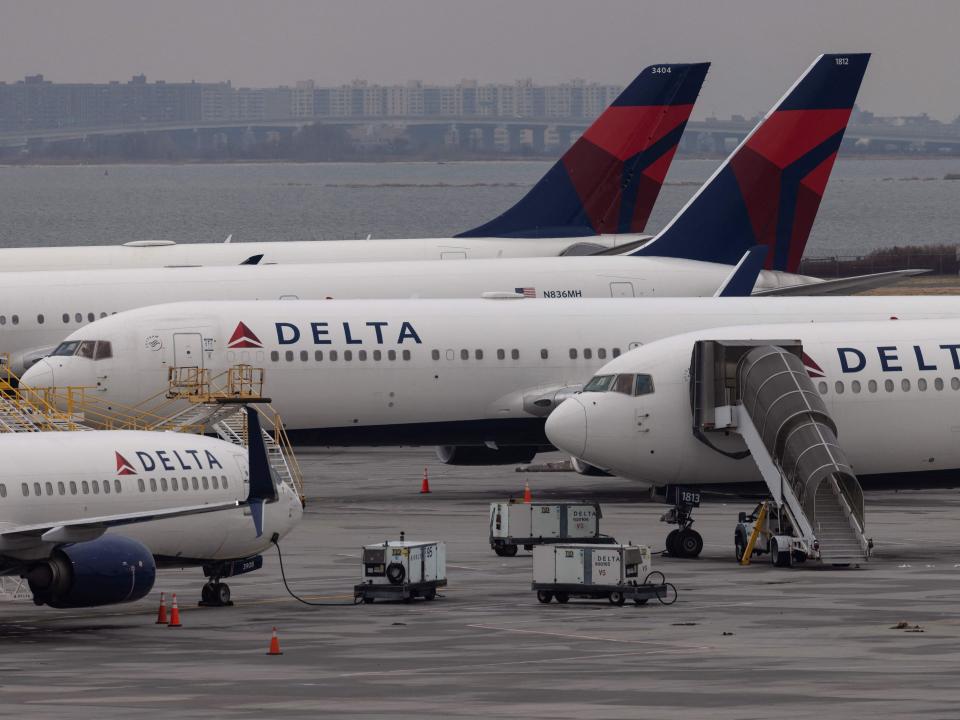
760, 390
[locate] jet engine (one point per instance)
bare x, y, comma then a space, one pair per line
111, 569
22, 361
483, 455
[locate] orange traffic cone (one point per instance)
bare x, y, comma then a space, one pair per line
162, 612
174, 614
274, 644
425, 485
527, 495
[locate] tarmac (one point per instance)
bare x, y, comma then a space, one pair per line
741, 642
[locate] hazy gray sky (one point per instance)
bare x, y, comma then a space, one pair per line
757, 47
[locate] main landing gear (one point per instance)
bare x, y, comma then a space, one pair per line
684, 541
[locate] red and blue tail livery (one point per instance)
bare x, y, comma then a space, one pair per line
608, 181
769, 190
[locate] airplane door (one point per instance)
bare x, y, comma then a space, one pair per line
188, 350
621, 289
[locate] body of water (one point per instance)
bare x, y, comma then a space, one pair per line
869, 203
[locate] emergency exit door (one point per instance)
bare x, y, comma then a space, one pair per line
188, 350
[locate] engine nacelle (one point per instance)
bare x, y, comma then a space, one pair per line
483, 455
111, 569
544, 401
22, 361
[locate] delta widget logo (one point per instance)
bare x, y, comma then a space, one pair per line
810, 365
123, 465
243, 337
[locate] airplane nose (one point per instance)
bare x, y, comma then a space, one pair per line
39, 375
567, 427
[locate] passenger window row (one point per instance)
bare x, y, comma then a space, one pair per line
41, 319
450, 354
856, 387
78, 317
588, 353
183, 483
83, 487
347, 355
477, 354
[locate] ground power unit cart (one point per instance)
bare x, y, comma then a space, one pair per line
402, 570
513, 524
615, 572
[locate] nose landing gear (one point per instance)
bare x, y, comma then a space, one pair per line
684, 541
215, 594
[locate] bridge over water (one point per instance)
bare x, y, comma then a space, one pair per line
479, 133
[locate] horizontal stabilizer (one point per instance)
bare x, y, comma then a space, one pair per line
626, 248
844, 286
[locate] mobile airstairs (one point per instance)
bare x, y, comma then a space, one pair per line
761, 391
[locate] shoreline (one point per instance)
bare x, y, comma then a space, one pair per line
393, 160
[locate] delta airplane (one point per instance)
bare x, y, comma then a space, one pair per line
891, 388
478, 377
88, 517
793, 148
599, 195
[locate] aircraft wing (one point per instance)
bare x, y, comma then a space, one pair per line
91, 528
844, 286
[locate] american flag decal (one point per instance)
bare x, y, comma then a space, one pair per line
526, 292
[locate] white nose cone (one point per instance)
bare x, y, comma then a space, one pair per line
567, 427
40, 375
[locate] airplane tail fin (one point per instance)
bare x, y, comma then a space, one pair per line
608, 181
263, 487
768, 191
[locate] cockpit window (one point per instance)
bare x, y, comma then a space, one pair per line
66, 348
623, 384
86, 349
103, 351
90, 349
627, 384
599, 383
644, 385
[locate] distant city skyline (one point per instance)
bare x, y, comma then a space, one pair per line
758, 47
39, 103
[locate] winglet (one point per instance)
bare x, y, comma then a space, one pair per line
741, 281
609, 179
253, 259
263, 487
769, 190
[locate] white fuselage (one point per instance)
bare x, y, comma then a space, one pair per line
57, 477
418, 371
893, 389
37, 310
170, 254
